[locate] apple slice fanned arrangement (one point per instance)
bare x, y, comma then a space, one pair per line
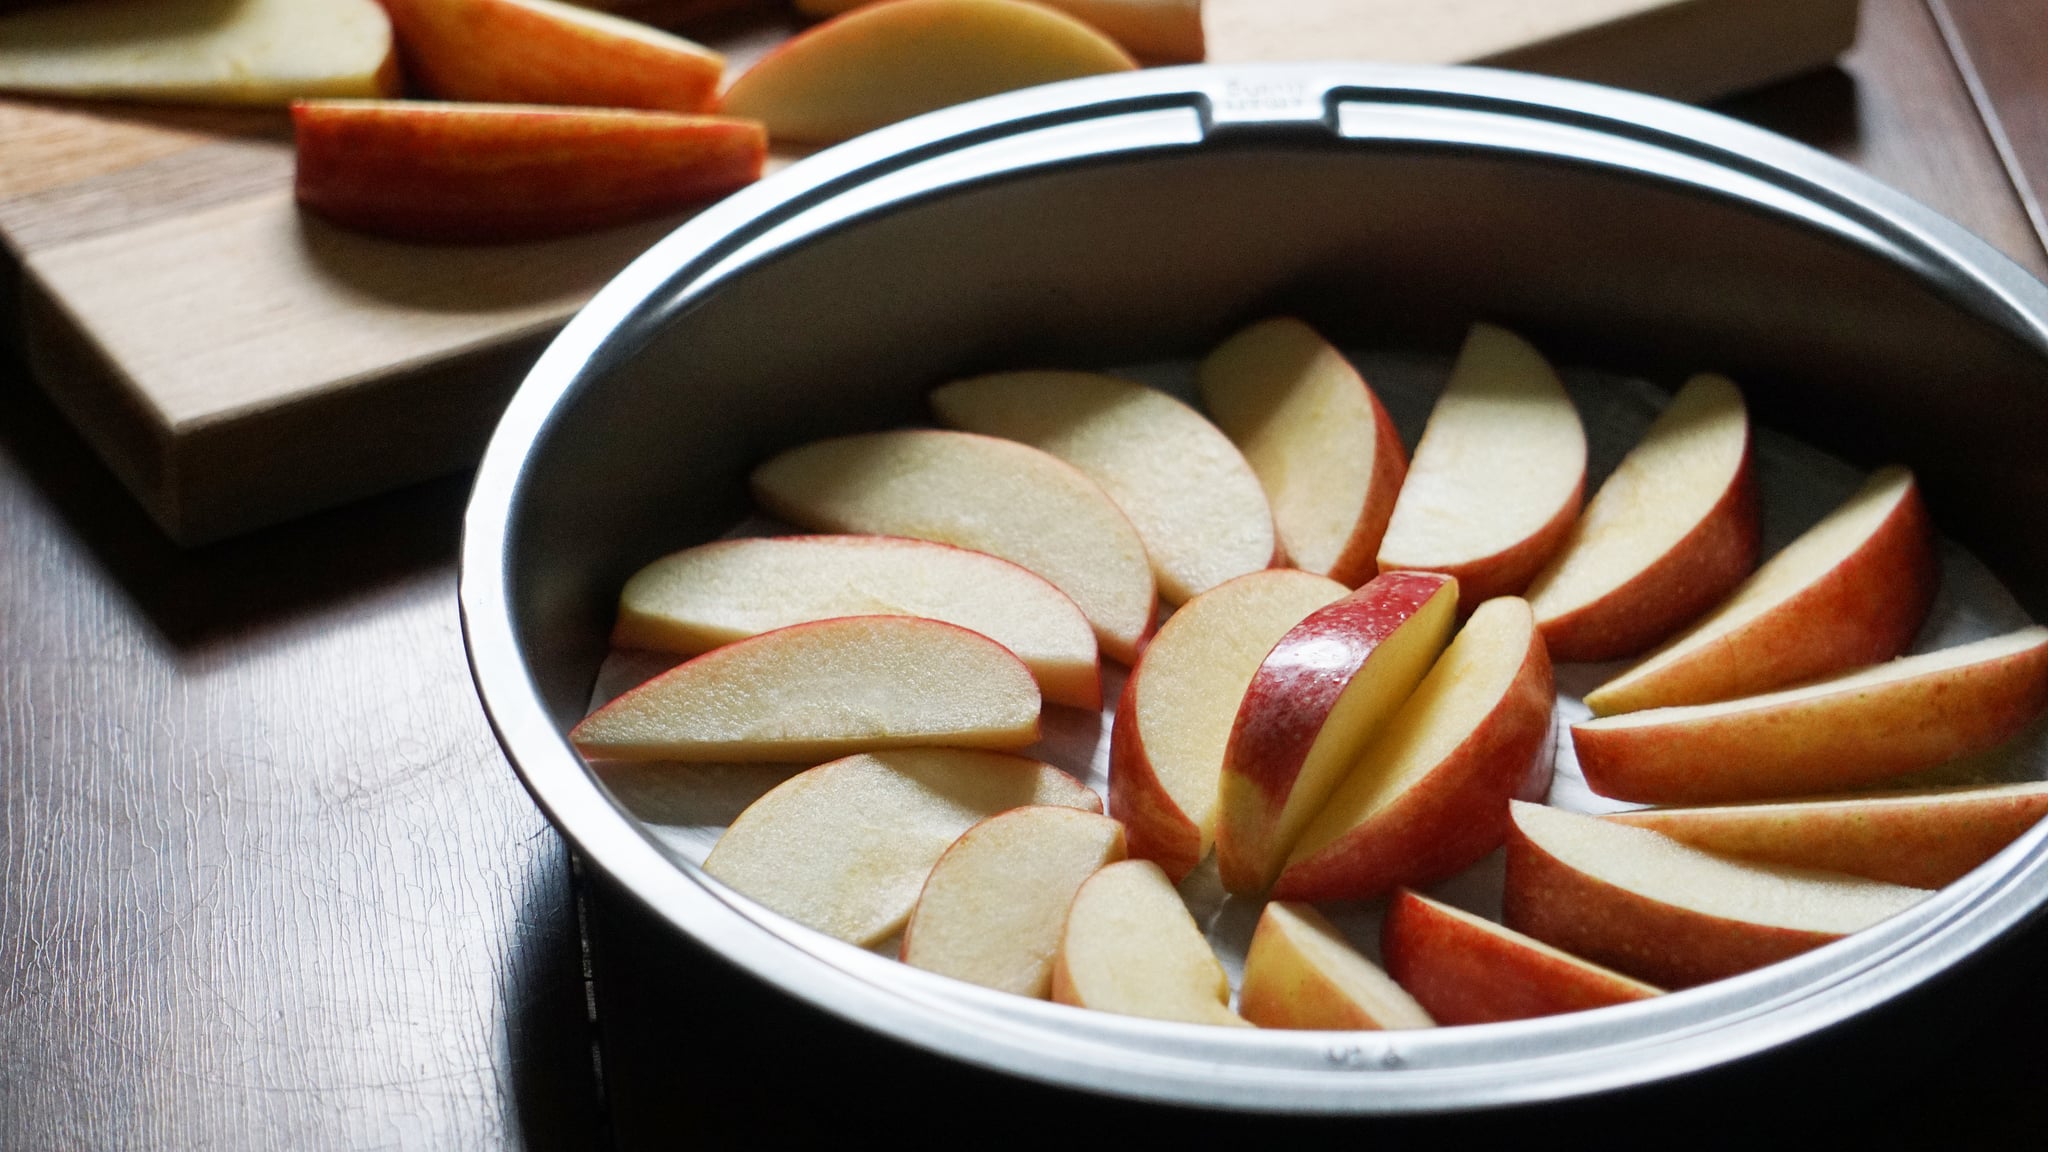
1328, 711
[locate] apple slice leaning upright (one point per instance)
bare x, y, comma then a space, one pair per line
546, 52
1131, 947
1300, 972
1154, 30
1469, 970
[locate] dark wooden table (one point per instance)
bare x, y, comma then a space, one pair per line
269, 883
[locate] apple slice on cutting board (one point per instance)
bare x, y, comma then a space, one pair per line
1319, 698
1860, 728
1496, 480
1157, 30
1186, 488
1131, 947
822, 690
845, 847
1468, 970
995, 905
697, 599
1429, 796
1322, 445
1644, 904
1668, 535
1173, 723
1300, 972
996, 496
545, 52
1852, 591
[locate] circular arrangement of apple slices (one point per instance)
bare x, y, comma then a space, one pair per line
1338, 741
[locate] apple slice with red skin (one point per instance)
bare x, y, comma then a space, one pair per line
1667, 536
1496, 481
822, 690
1131, 947
1430, 795
895, 59
544, 52
1860, 728
697, 599
1163, 31
1322, 445
418, 170
1852, 591
1173, 724
1468, 970
1300, 972
1922, 839
1322, 695
1648, 906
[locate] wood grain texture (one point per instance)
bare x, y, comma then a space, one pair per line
2002, 48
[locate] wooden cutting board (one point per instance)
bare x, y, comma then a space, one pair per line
238, 363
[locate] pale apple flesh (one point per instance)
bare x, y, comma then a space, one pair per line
1861, 728
1301, 973
822, 690
1187, 490
845, 847
995, 905
1429, 796
1317, 436
1496, 480
1173, 723
1668, 535
1464, 969
1164, 31
700, 598
1131, 947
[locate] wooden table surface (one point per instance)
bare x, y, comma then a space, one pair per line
270, 884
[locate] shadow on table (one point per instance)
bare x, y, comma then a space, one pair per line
1818, 109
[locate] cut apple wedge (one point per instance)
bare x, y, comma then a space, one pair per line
823, 690
1495, 483
1922, 839
1851, 591
1430, 795
1131, 947
1165, 31
1667, 537
1300, 972
995, 905
544, 52
1646, 905
1186, 488
1173, 723
1319, 698
1316, 435
1860, 728
996, 496
845, 847
895, 59
697, 599
1467, 970
420, 170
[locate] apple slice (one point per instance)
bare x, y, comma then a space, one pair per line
846, 846
996, 496
1495, 483
1130, 947
895, 59
202, 51
1166, 31
1469, 970
1187, 489
1860, 728
822, 690
1430, 795
1316, 435
1301, 973
1850, 592
1667, 537
995, 905
1319, 698
418, 170
1922, 839
1644, 904
1173, 723
697, 599
544, 52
